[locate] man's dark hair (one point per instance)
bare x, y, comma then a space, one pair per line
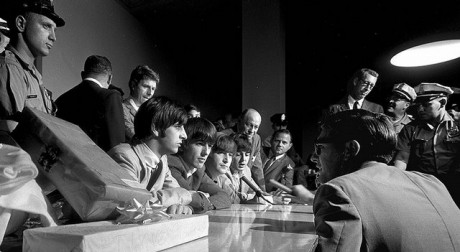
200, 129
97, 65
373, 131
142, 72
224, 143
242, 142
159, 113
190, 107
281, 131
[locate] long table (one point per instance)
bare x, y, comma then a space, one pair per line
257, 228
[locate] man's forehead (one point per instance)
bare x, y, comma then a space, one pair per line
369, 77
148, 82
41, 18
323, 135
283, 136
253, 118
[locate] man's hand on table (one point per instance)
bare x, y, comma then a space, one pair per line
179, 209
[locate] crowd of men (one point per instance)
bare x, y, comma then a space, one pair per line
384, 173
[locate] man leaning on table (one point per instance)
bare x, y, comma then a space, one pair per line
365, 204
159, 131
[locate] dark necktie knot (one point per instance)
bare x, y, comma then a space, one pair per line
355, 105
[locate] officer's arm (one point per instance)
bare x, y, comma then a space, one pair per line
401, 159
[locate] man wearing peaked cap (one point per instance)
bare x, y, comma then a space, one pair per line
42, 7
401, 98
430, 91
431, 143
32, 26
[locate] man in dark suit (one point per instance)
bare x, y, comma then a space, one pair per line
360, 85
280, 166
94, 107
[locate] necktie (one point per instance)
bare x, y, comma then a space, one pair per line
269, 163
355, 106
155, 173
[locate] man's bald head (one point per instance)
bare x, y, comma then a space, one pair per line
249, 122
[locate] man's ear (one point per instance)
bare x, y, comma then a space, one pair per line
407, 105
21, 23
109, 79
352, 149
290, 146
154, 131
355, 81
443, 102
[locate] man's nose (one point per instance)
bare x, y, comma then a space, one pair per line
52, 35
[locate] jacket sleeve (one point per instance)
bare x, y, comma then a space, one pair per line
127, 160
218, 198
257, 171
289, 176
129, 122
337, 221
114, 119
230, 189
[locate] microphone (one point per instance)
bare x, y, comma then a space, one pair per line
259, 193
281, 186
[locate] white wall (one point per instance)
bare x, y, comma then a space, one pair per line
101, 27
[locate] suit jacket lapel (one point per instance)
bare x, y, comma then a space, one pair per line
132, 110
365, 105
343, 103
275, 165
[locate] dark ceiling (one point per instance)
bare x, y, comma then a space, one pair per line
325, 41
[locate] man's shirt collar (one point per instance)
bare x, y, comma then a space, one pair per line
151, 159
351, 102
95, 81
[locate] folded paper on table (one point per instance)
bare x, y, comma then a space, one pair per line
105, 236
89, 179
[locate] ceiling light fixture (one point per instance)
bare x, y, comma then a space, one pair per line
428, 54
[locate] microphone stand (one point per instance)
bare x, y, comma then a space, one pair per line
256, 189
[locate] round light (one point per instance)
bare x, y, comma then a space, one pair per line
428, 54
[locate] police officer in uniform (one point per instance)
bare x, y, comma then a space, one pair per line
401, 98
431, 143
32, 25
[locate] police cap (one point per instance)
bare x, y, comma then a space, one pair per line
405, 90
279, 119
430, 91
42, 7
